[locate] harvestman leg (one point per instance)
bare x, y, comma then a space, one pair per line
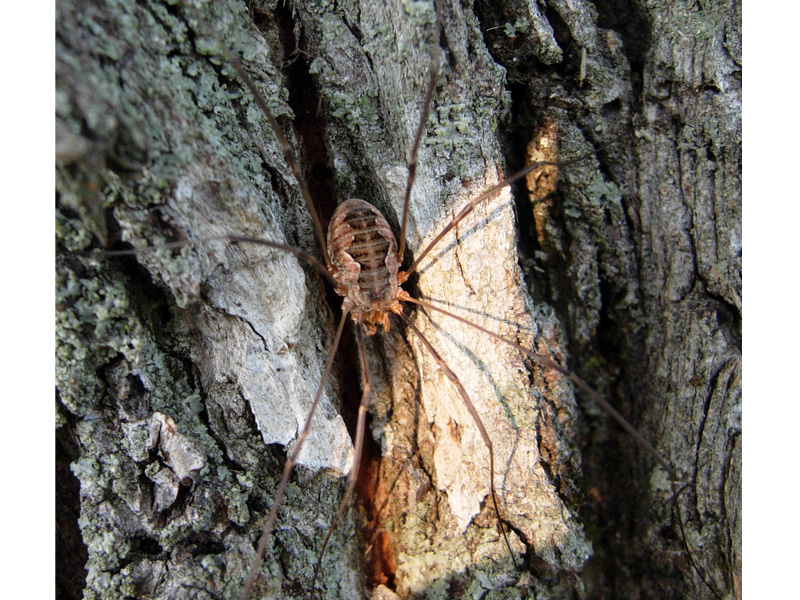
358, 445
289, 466
475, 417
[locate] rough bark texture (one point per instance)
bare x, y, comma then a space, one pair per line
183, 377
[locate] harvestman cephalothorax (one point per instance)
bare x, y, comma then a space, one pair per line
481, 481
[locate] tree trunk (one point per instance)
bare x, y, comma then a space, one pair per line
183, 377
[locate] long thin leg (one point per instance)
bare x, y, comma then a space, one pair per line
475, 417
361, 421
287, 150
546, 362
604, 404
309, 258
476, 201
412, 160
287, 468
285, 147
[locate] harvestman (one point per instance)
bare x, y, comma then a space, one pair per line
362, 259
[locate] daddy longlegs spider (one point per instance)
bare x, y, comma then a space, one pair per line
456, 427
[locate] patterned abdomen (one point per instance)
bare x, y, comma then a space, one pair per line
363, 249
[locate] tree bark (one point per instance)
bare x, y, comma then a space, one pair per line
183, 377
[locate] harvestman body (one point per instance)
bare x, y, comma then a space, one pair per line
363, 251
